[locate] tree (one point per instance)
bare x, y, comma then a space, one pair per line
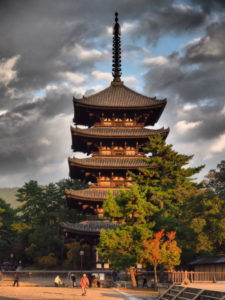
42, 210
203, 215
152, 252
216, 180
170, 251
48, 261
216, 184
162, 249
7, 235
167, 179
155, 201
122, 245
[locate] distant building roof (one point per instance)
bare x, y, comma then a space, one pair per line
108, 163
119, 96
97, 132
220, 259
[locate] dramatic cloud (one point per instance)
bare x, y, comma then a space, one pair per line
51, 51
7, 72
193, 82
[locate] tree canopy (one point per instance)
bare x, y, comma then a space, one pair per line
154, 202
7, 235
42, 210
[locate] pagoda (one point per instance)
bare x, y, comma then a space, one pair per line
111, 128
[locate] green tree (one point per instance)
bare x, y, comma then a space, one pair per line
154, 202
203, 215
122, 246
7, 235
168, 180
216, 180
42, 210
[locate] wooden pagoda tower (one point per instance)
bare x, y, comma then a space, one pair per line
115, 121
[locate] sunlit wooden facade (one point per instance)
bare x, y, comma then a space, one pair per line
114, 135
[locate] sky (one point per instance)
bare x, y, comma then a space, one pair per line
52, 50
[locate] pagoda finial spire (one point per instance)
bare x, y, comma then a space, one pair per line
116, 51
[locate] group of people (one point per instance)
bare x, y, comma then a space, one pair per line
84, 282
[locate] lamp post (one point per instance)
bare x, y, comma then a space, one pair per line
81, 259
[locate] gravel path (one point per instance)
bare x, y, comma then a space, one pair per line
53, 293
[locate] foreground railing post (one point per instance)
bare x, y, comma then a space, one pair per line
185, 281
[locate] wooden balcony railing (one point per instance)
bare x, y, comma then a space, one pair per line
112, 152
111, 184
119, 124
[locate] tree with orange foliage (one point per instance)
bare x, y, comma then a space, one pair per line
161, 251
170, 252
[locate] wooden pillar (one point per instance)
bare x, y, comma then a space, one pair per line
111, 179
112, 148
137, 147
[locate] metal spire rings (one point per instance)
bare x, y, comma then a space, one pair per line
116, 51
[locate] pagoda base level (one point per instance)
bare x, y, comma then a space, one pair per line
85, 235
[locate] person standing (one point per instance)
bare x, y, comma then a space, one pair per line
144, 282
16, 279
84, 283
98, 282
73, 279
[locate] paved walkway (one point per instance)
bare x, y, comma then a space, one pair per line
208, 286
53, 293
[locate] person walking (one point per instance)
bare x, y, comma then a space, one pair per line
73, 279
16, 279
84, 283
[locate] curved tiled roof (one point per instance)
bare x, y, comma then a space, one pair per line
108, 162
96, 132
90, 194
217, 259
119, 96
88, 226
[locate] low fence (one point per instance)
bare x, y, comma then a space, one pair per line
46, 278
191, 276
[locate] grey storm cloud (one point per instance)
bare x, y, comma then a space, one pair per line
211, 48
171, 18
45, 38
209, 6
196, 78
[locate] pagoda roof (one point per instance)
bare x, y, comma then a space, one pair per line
89, 226
216, 259
91, 194
118, 96
132, 132
108, 162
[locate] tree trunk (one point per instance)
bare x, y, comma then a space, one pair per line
155, 277
132, 277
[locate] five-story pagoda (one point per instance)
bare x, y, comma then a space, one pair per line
115, 122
